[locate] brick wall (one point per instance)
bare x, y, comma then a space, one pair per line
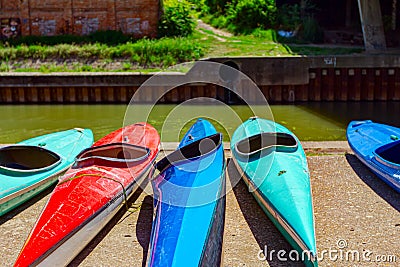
53, 17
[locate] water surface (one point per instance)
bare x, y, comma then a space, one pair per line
309, 121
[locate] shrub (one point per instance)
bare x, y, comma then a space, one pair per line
104, 37
4, 67
109, 37
165, 50
145, 52
264, 34
311, 31
126, 66
47, 40
217, 6
289, 17
200, 6
300, 19
219, 22
176, 20
247, 15
86, 68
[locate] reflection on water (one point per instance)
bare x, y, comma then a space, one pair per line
342, 112
309, 121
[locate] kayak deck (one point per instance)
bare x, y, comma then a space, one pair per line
378, 147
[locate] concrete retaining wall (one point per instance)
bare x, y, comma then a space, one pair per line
279, 79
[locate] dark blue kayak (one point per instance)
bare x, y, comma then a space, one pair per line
189, 202
378, 147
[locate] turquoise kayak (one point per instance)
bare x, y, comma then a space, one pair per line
29, 167
273, 164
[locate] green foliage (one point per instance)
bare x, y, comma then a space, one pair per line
176, 20
200, 6
86, 68
266, 35
109, 37
163, 52
166, 50
255, 16
4, 67
126, 66
289, 17
217, 6
47, 40
102, 37
247, 15
239, 16
219, 22
311, 31
300, 19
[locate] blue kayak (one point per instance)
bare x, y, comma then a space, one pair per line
272, 163
189, 202
377, 146
31, 166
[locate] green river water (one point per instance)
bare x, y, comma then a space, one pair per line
310, 121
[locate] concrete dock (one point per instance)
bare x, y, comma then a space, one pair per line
355, 214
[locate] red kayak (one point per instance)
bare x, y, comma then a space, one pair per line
90, 194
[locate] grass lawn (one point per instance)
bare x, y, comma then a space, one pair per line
151, 55
264, 45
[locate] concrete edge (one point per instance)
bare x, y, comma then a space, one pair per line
319, 146
305, 144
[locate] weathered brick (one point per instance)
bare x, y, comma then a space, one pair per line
54, 17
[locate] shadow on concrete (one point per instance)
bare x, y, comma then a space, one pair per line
11, 214
103, 233
144, 225
261, 227
375, 183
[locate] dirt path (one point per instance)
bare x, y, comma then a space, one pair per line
218, 34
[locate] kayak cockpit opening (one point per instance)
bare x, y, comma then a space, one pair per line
115, 153
390, 152
262, 141
201, 147
27, 159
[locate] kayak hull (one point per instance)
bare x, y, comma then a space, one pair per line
277, 175
371, 143
189, 200
17, 188
28, 193
90, 193
77, 241
279, 222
